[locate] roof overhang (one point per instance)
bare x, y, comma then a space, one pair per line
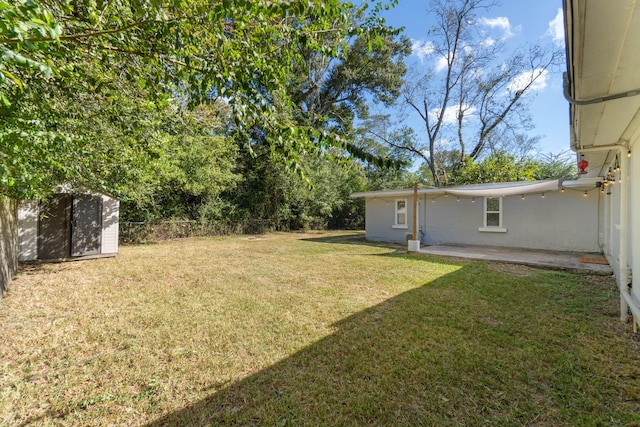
602, 82
497, 189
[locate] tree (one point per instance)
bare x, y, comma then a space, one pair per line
556, 166
331, 95
498, 167
241, 51
334, 91
470, 93
376, 135
501, 166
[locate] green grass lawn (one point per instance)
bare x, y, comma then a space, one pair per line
311, 329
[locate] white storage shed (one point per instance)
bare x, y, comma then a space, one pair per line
68, 225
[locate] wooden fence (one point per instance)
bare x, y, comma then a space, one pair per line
8, 241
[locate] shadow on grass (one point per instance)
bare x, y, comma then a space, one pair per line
395, 250
456, 351
349, 238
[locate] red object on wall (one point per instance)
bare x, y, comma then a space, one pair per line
582, 165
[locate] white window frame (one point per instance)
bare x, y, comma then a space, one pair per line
492, 228
396, 211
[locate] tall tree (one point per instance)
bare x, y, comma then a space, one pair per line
332, 94
469, 91
238, 50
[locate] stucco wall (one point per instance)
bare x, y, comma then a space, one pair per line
561, 221
8, 241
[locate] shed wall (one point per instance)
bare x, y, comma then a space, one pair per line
8, 241
110, 216
28, 230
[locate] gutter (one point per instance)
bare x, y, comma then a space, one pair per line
567, 94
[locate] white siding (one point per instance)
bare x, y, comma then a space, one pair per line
110, 215
28, 230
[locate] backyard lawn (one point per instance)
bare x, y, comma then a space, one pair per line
317, 329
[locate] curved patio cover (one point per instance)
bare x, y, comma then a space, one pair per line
503, 188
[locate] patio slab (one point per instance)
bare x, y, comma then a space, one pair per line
536, 258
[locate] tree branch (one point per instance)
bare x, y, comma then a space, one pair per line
76, 37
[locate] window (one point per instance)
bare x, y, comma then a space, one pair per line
400, 220
493, 215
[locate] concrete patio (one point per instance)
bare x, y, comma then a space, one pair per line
570, 261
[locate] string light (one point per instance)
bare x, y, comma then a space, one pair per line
473, 200
561, 190
446, 195
522, 197
542, 196
458, 199
586, 194
629, 153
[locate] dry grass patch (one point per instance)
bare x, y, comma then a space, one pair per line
317, 329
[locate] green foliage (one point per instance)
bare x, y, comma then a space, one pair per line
21, 21
243, 51
374, 136
194, 168
556, 166
320, 199
501, 166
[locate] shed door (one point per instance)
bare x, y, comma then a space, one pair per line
53, 227
86, 228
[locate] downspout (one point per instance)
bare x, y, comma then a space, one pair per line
625, 297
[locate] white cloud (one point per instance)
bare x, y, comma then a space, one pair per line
522, 80
489, 41
441, 64
500, 22
451, 114
421, 48
556, 27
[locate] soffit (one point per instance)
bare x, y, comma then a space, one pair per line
603, 45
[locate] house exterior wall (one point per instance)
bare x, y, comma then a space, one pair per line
379, 219
28, 230
612, 245
633, 229
110, 215
561, 221
8, 241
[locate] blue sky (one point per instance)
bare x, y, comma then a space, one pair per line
519, 22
